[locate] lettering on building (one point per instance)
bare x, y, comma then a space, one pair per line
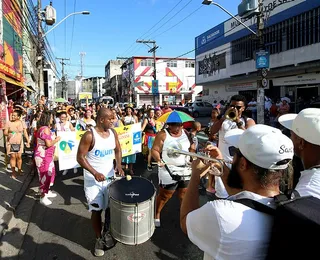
212, 64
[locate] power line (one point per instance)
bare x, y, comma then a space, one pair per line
179, 22
180, 10
152, 27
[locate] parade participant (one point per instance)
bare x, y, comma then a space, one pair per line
149, 128
225, 229
96, 152
238, 105
174, 173
305, 134
63, 124
72, 116
129, 119
14, 131
43, 156
166, 107
88, 119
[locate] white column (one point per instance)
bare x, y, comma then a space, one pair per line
138, 100
160, 99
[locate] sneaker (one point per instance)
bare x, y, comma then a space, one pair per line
157, 223
107, 239
64, 172
149, 168
51, 194
99, 247
45, 201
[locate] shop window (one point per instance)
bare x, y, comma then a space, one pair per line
189, 64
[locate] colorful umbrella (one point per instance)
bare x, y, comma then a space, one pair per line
175, 117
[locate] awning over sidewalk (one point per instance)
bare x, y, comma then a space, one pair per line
15, 82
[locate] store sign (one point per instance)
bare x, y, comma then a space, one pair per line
6, 69
297, 80
270, 8
262, 59
210, 35
241, 87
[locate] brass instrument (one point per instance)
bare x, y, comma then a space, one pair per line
231, 115
174, 153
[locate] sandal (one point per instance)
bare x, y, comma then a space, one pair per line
20, 172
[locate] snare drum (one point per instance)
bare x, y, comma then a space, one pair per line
132, 210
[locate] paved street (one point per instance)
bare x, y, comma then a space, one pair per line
63, 230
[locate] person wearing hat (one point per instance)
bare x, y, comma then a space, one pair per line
225, 229
305, 134
174, 172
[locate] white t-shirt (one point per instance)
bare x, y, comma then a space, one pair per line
309, 183
223, 145
224, 229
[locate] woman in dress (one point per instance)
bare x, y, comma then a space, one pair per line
14, 131
43, 157
129, 119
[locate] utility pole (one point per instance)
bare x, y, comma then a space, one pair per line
63, 79
39, 50
153, 50
262, 72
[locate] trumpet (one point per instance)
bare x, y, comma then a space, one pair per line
174, 153
231, 114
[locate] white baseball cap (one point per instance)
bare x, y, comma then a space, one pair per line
306, 124
264, 146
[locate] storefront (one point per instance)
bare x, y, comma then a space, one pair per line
300, 87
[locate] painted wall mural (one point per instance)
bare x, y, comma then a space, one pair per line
11, 47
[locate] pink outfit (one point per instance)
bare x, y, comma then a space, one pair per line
43, 157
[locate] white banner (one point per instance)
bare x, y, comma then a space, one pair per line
67, 150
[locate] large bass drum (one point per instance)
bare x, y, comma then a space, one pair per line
132, 210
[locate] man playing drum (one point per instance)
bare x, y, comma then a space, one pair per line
96, 152
174, 173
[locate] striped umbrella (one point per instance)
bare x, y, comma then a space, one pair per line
175, 117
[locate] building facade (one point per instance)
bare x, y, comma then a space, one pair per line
176, 80
93, 85
225, 55
112, 83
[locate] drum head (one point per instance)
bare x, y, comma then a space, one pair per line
136, 190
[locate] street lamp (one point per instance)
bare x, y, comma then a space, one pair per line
75, 13
209, 2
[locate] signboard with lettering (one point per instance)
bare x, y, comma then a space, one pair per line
262, 59
130, 138
155, 87
312, 78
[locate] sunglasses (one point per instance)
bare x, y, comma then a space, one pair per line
237, 107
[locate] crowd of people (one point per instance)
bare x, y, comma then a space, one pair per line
257, 165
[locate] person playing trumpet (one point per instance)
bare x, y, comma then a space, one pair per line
232, 119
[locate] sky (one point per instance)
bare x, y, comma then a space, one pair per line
113, 26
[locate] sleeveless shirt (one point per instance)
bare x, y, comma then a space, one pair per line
101, 156
177, 165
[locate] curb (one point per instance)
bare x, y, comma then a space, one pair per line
15, 203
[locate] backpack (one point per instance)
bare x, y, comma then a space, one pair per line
296, 226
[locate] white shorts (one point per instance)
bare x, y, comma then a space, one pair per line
96, 193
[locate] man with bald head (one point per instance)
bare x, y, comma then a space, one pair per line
98, 147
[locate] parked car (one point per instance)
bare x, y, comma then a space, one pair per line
199, 108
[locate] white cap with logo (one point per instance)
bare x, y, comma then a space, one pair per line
306, 124
264, 146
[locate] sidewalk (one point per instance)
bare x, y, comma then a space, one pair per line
11, 191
